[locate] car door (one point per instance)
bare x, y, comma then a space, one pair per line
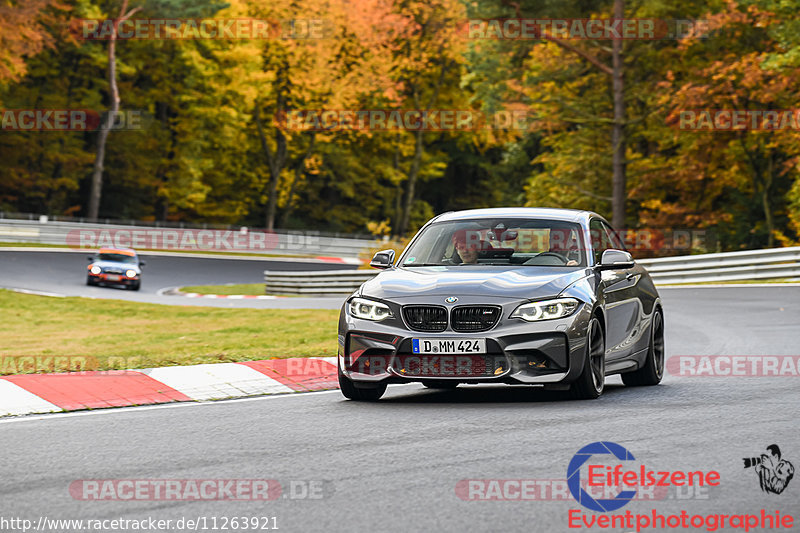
622, 306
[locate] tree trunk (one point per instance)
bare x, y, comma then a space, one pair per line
105, 127
419, 148
298, 172
768, 218
275, 163
411, 183
618, 142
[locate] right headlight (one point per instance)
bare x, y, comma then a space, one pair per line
546, 309
369, 309
96, 270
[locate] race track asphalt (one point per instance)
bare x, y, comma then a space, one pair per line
64, 273
394, 465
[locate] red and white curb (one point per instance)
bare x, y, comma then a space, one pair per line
24, 394
176, 291
228, 296
340, 260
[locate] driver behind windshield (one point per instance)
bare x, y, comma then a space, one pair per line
562, 248
467, 245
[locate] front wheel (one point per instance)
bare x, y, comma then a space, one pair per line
351, 392
591, 382
653, 369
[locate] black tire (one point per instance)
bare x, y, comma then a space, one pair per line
653, 369
135, 286
351, 392
90, 282
591, 382
441, 385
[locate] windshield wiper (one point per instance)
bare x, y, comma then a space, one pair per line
423, 265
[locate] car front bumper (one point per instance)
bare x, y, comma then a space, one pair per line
123, 279
549, 352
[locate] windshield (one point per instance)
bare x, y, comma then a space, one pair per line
119, 258
524, 242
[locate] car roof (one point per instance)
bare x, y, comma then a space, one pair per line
122, 251
566, 215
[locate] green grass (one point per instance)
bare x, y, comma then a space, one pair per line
30, 245
116, 334
231, 288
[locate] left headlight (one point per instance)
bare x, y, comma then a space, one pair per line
368, 309
131, 273
546, 309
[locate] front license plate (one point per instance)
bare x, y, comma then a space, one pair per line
449, 346
113, 277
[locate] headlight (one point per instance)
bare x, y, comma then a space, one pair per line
546, 310
368, 309
131, 273
96, 270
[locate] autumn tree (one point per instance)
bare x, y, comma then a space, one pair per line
26, 28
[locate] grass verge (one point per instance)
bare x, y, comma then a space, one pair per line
116, 334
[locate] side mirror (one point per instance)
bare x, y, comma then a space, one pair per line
142, 263
89, 258
382, 259
615, 259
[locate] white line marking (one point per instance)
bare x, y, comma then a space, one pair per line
36, 293
177, 405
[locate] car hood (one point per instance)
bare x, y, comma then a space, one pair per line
493, 281
116, 264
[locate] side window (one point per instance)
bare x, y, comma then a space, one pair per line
600, 239
613, 237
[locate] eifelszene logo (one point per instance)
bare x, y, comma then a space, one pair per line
608, 478
574, 477
774, 473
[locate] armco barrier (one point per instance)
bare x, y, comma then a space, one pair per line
730, 266
330, 283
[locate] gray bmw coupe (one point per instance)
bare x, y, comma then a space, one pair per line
546, 297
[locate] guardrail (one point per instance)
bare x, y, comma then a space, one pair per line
183, 238
326, 283
729, 266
